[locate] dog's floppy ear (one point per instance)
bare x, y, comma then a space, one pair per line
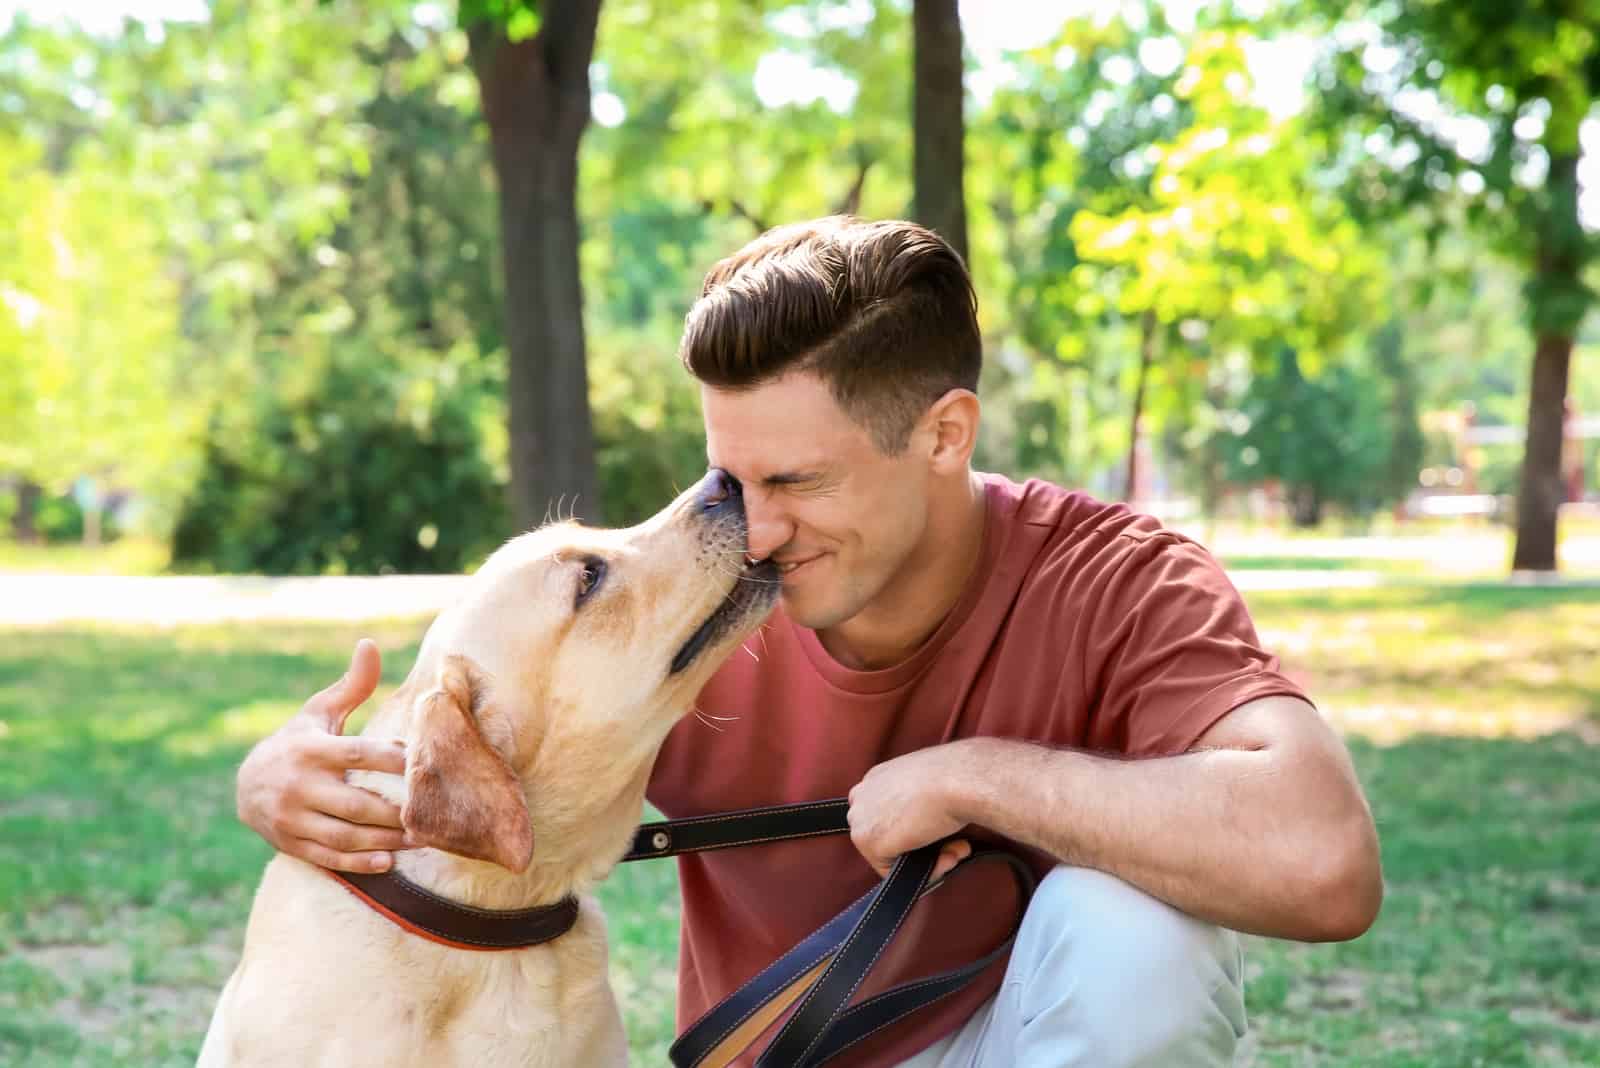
463, 796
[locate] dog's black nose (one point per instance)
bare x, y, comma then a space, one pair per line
720, 494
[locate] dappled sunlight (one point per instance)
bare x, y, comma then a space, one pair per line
1475, 661
1388, 724
1480, 954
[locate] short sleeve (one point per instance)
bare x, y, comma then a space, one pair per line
1173, 651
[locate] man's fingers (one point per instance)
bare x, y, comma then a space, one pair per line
355, 805
342, 837
952, 854
368, 754
342, 753
333, 705
321, 855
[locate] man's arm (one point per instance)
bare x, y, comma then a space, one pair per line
1261, 827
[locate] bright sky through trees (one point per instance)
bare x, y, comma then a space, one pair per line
991, 27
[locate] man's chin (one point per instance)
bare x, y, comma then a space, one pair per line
811, 613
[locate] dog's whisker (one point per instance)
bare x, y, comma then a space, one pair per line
741, 577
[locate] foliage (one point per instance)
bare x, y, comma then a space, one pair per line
1327, 439
1234, 237
1480, 106
1445, 104
649, 438
89, 380
287, 187
359, 472
1068, 135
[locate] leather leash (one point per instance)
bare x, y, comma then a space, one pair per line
824, 971
817, 977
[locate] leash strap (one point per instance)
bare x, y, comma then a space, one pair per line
866, 1019
746, 826
826, 968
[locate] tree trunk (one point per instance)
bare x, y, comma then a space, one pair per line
1540, 494
535, 96
1559, 302
1305, 506
1147, 352
24, 519
938, 164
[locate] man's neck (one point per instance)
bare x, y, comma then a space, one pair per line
923, 592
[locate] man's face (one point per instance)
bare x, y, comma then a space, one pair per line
838, 516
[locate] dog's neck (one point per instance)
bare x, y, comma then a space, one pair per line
584, 817
572, 852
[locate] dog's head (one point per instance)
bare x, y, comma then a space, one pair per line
594, 641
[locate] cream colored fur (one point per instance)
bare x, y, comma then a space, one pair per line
577, 702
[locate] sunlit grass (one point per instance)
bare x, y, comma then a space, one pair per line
124, 556
1485, 660
1422, 550
1474, 712
125, 880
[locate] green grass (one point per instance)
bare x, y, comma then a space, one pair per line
124, 556
125, 880
1468, 659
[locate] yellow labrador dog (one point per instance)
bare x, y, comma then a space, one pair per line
531, 718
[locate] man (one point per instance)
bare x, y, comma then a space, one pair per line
962, 655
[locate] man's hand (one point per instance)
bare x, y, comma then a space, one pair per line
901, 805
291, 788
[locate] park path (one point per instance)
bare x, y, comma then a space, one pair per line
168, 600
47, 599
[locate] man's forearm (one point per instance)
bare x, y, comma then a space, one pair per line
1255, 840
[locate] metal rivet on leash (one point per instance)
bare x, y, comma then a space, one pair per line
659, 840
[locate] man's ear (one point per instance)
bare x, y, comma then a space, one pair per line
952, 421
462, 795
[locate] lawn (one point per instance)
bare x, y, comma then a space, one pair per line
125, 881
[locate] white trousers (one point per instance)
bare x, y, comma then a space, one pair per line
1105, 976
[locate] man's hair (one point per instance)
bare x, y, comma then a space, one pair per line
883, 312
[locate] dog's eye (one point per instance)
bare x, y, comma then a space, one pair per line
589, 579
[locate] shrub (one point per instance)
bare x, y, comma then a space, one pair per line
370, 471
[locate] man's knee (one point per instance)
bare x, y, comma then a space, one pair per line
1111, 976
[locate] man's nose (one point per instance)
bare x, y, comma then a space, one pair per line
720, 495
767, 528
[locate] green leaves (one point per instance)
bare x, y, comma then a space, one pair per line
521, 18
90, 382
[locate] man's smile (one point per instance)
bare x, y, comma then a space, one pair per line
789, 566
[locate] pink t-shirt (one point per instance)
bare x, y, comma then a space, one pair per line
1084, 625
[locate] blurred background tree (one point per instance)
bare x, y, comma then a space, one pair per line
1476, 112
300, 287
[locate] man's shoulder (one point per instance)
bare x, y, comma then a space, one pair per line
1083, 547
1073, 515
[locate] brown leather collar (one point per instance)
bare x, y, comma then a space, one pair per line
460, 926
